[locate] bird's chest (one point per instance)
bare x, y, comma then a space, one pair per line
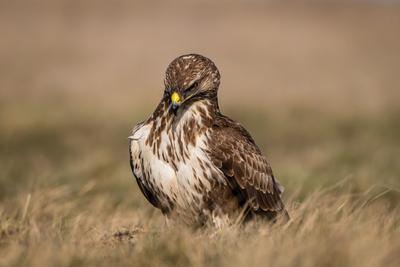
178, 166
177, 169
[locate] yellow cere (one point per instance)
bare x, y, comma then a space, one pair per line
176, 98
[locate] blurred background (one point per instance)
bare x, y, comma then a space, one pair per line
317, 83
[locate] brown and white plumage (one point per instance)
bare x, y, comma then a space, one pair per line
195, 164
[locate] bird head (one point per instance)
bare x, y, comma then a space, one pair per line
190, 78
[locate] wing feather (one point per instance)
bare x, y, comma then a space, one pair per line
235, 153
135, 157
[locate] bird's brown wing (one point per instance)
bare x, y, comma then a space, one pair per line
137, 170
247, 171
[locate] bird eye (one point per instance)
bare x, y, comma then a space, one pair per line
193, 86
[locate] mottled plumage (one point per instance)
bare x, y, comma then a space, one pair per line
195, 164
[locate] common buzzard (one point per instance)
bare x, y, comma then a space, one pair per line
195, 164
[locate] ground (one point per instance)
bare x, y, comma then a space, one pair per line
315, 84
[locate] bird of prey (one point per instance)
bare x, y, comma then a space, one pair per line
195, 164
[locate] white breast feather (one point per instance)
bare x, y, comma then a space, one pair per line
181, 182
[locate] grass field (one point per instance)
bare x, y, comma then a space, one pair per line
316, 85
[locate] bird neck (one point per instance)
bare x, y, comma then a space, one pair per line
188, 124
197, 116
